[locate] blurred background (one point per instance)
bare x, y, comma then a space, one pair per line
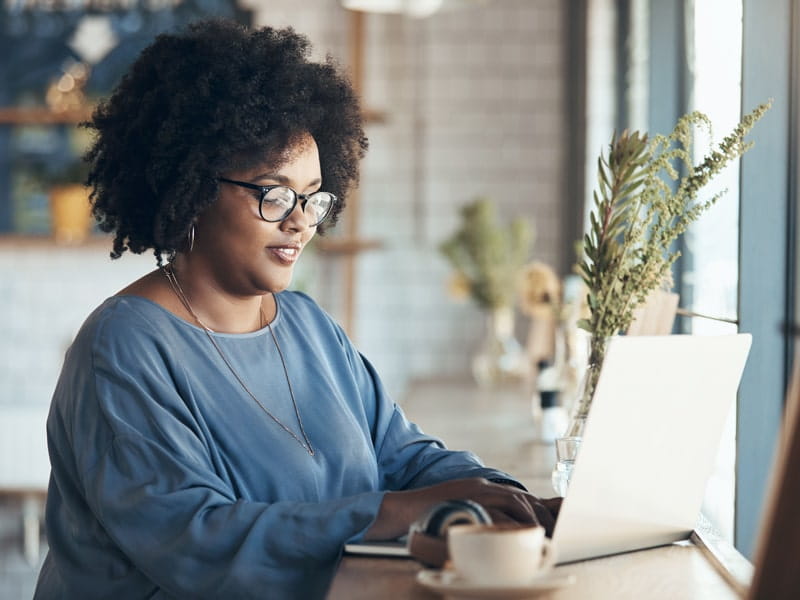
505, 101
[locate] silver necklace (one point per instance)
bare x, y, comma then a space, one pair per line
169, 273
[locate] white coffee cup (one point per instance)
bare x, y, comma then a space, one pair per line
499, 554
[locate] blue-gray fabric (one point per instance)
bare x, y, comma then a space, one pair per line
169, 481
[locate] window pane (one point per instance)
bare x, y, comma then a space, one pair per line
713, 242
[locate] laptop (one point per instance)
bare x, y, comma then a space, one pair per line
650, 443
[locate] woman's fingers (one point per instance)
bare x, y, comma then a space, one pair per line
522, 507
503, 502
553, 505
513, 502
499, 517
545, 517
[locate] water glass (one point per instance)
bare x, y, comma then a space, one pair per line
566, 452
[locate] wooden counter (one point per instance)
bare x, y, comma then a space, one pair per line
676, 572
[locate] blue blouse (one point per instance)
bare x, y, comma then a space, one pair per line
169, 481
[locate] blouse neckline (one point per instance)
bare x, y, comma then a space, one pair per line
258, 332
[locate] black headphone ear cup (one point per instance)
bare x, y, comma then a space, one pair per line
451, 512
427, 537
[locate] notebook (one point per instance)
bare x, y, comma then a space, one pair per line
396, 547
650, 443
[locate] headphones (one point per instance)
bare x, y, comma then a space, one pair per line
427, 537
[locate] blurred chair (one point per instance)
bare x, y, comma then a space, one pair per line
25, 466
776, 575
655, 316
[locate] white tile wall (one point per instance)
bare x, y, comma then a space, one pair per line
46, 293
483, 116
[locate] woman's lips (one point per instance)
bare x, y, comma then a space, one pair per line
285, 254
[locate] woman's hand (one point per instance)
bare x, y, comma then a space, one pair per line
504, 503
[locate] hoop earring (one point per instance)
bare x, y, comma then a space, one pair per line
190, 239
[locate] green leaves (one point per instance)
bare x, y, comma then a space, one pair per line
638, 212
489, 256
616, 202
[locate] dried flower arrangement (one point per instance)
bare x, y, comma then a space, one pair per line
641, 207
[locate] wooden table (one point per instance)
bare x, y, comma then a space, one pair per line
676, 572
499, 427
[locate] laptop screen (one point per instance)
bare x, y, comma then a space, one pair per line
650, 442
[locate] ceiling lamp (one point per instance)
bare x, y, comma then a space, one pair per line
411, 8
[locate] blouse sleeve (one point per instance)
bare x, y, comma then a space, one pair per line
407, 457
145, 473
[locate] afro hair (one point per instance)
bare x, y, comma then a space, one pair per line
214, 97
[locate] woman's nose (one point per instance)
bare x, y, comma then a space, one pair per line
297, 219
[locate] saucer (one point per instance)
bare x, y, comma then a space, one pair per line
448, 583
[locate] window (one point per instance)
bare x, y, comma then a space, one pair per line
709, 283
724, 57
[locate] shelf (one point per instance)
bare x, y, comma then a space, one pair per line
12, 241
372, 116
327, 246
346, 245
43, 116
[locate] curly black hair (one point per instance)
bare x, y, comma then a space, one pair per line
214, 97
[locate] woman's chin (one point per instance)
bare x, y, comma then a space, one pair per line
276, 285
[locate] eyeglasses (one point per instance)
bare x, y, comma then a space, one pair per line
278, 201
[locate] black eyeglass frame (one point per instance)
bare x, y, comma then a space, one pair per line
304, 198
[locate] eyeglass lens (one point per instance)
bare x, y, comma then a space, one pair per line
279, 201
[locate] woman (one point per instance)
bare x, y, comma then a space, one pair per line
213, 435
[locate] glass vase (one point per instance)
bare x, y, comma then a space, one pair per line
567, 448
569, 444
500, 358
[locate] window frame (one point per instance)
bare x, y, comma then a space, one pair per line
766, 223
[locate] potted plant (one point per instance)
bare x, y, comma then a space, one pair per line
488, 259
70, 207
